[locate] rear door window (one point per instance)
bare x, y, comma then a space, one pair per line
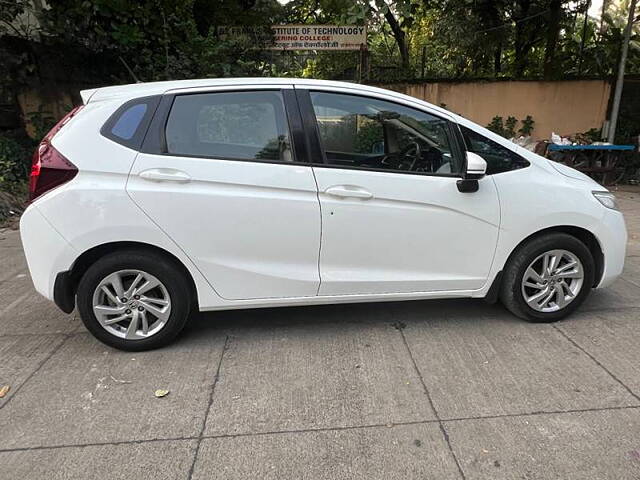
230, 125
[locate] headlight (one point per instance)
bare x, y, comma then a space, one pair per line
607, 199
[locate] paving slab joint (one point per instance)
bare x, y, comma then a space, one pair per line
445, 434
206, 415
17, 389
596, 361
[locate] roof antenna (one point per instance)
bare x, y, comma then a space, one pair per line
129, 70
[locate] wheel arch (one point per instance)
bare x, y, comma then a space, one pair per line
582, 234
66, 284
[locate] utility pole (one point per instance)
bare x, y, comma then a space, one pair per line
615, 109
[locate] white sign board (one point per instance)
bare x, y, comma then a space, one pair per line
318, 37
302, 37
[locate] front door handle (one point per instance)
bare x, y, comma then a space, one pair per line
349, 191
165, 175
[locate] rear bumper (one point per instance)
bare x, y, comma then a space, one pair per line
47, 252
612, 234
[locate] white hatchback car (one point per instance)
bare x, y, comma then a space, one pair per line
152, 200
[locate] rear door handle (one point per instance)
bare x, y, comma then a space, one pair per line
349, 191
165, 175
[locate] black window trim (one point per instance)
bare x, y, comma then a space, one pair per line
137, 140
526, 163
156, 141
318, 155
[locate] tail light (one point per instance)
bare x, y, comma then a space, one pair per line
49, 168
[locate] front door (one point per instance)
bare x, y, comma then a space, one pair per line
228, 190
393, 220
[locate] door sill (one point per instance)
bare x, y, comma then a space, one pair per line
338, 299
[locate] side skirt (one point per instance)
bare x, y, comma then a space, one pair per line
337, 299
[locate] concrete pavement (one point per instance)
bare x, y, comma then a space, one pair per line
439, 389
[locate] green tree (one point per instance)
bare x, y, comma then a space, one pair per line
396, 15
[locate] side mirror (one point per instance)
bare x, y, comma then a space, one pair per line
476, 169
476, 166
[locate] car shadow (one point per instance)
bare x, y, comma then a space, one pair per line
458, 312
397, 314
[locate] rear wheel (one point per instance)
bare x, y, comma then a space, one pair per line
134, 300
548, 278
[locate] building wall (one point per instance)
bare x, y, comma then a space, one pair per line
46, 109
564, 107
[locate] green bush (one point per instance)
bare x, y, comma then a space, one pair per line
527, 126
15, 161
496, 125
507, 128
510, 127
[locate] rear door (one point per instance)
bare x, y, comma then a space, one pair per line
220, 174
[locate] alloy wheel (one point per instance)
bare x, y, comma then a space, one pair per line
552, 281
131, 304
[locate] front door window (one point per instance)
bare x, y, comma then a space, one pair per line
368, 133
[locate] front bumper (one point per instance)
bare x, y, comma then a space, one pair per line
612, 234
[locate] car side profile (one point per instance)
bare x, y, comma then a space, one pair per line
150, 201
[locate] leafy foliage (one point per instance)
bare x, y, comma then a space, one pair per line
15, 155
149, 39
408, 39
507, 128
510, 127
527, 126
496, 125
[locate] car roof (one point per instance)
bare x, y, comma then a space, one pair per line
135, 90
122, 93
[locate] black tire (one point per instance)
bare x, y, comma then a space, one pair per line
511, 288
164, 269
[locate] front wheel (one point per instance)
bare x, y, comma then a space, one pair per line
547, 278
134, 300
